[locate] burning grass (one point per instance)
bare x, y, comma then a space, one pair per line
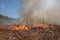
25, 32
24, 26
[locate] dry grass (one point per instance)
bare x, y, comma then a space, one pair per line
33, 34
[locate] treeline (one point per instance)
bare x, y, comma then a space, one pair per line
3, 16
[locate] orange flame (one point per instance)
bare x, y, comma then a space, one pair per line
21, 27
40, 25
24, 26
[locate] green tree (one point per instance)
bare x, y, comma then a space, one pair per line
3, 16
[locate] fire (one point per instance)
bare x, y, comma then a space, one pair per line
40, 25
24, 26
18, 28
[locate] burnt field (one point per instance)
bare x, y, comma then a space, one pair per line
35, 33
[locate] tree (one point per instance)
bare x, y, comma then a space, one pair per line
3, 16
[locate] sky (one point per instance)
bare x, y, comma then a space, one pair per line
11, 8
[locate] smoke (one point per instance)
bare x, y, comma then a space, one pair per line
31, 10
53, 13
40, 11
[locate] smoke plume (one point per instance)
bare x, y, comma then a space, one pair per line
40, 11
31, 10
53, 13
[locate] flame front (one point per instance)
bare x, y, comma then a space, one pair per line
24, 26
18, 28
40, 25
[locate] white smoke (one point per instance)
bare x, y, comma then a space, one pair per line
53, 13
41, 10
